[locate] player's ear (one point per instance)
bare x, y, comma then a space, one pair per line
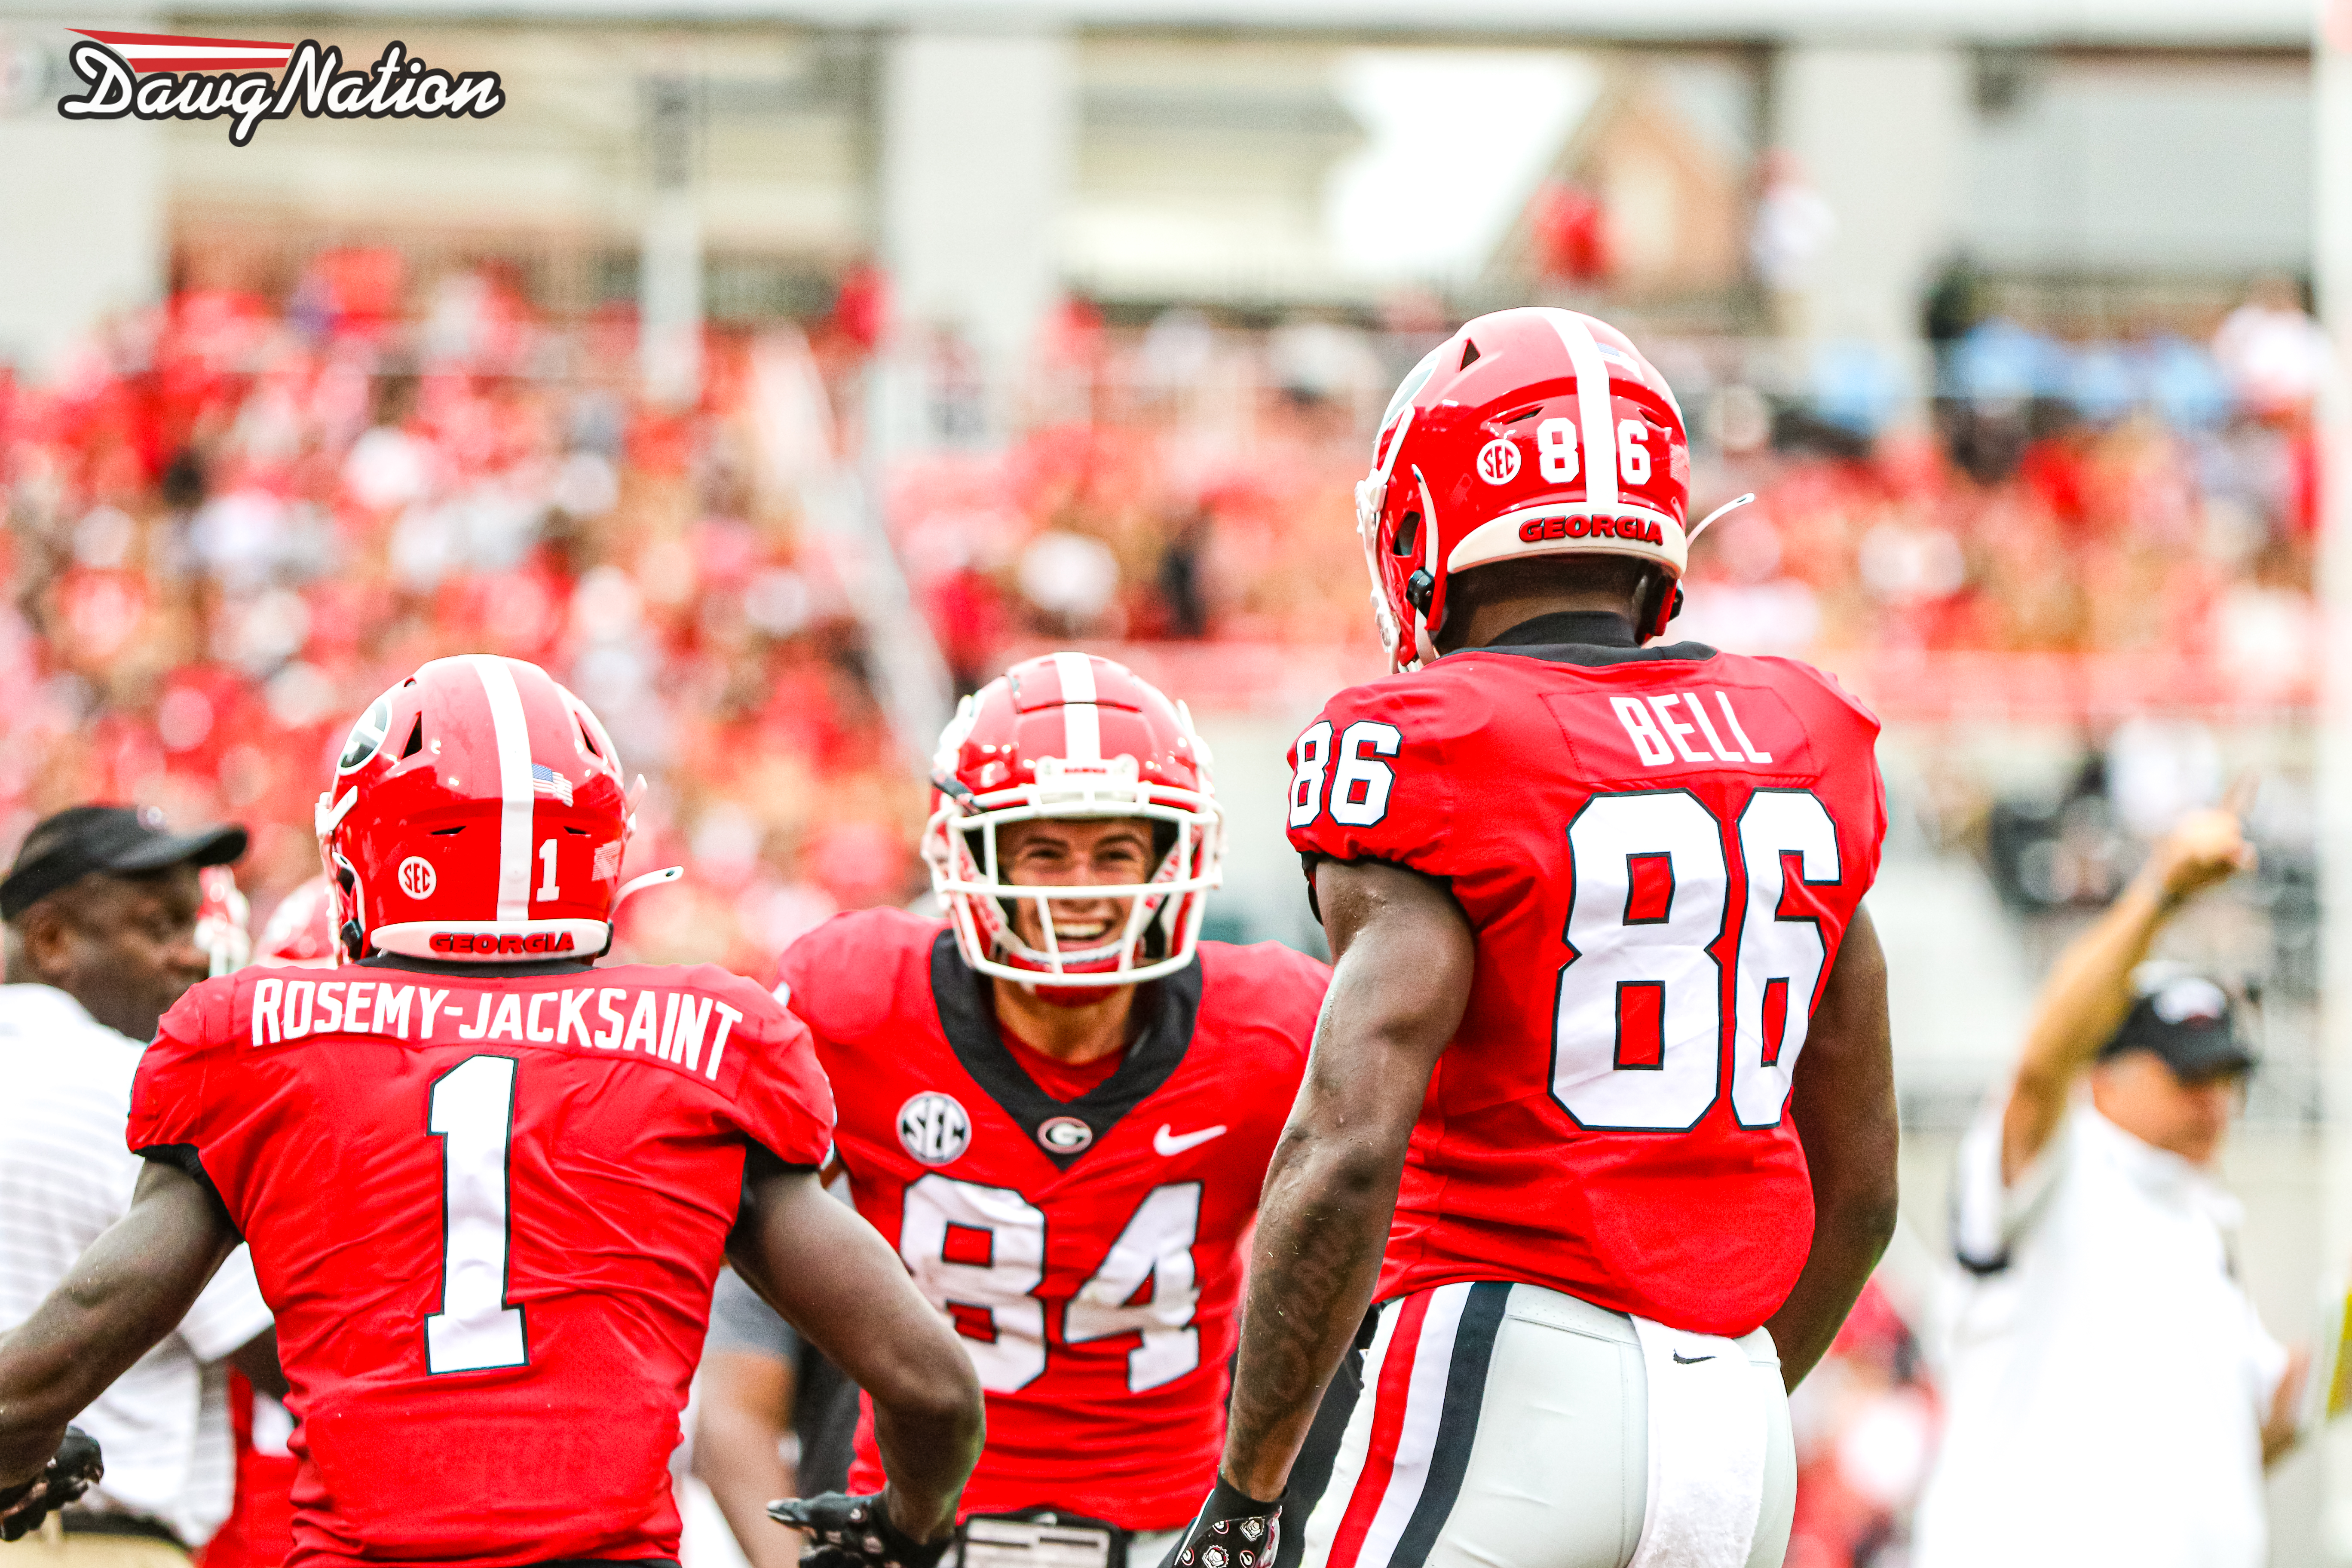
43, 942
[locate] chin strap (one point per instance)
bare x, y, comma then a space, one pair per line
1734, 504
639, 884
634, 885
1669, 601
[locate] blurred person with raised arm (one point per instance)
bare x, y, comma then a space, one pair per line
2113, 1398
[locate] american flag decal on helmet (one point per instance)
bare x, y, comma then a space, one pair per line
545, 780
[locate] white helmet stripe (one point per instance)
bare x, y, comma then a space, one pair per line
512, 733
1595, 410
1081, 720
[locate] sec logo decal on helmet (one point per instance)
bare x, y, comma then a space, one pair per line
477, 812
1072, 736
1529, 432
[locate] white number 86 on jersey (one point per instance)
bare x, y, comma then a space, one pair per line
1638, 1024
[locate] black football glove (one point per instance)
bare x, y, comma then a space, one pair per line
853, 1532
76, 1468
1233, 1531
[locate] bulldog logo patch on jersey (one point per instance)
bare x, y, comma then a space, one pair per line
934, 1128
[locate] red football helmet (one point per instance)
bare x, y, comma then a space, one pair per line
478, 813
1070, 735
1529, 432
300, 932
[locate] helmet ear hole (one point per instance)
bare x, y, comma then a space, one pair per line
1407, 535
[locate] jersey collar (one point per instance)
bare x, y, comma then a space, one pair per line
1584, 636
967, 1016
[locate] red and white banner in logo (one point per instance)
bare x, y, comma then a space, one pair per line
145, 52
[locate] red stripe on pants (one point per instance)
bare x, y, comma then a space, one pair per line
1387, 1419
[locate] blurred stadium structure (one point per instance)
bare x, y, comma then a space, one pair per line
772, 371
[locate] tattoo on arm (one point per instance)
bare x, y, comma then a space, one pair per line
1308, 1288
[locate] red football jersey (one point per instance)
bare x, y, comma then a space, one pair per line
1088, 1251
487, 1211
259, 1529
1659, 850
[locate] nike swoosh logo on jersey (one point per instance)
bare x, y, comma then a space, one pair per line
1682, 1360
1165, 1144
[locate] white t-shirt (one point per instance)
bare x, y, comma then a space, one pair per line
65, 1174
2108, 1379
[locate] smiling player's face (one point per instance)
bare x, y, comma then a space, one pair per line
1095, 852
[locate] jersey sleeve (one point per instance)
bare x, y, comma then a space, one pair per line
180, 1112
1370, 778
845, 978
1851, 783
784, 1100
171, 1096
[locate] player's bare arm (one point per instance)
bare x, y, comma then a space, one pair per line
1404, 955
1841, 1100
742, 1408
833, 1277
2089, 989
130, 1290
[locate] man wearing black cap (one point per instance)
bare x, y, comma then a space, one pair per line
100, 940
2112, 1397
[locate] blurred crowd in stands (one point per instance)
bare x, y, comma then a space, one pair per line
2129, 497
235, 520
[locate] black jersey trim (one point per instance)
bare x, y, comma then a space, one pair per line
967, 1016
183, 1158
1586, 638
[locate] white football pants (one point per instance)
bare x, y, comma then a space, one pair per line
1506, 1425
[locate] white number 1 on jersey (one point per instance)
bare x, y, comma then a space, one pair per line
471, 1111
